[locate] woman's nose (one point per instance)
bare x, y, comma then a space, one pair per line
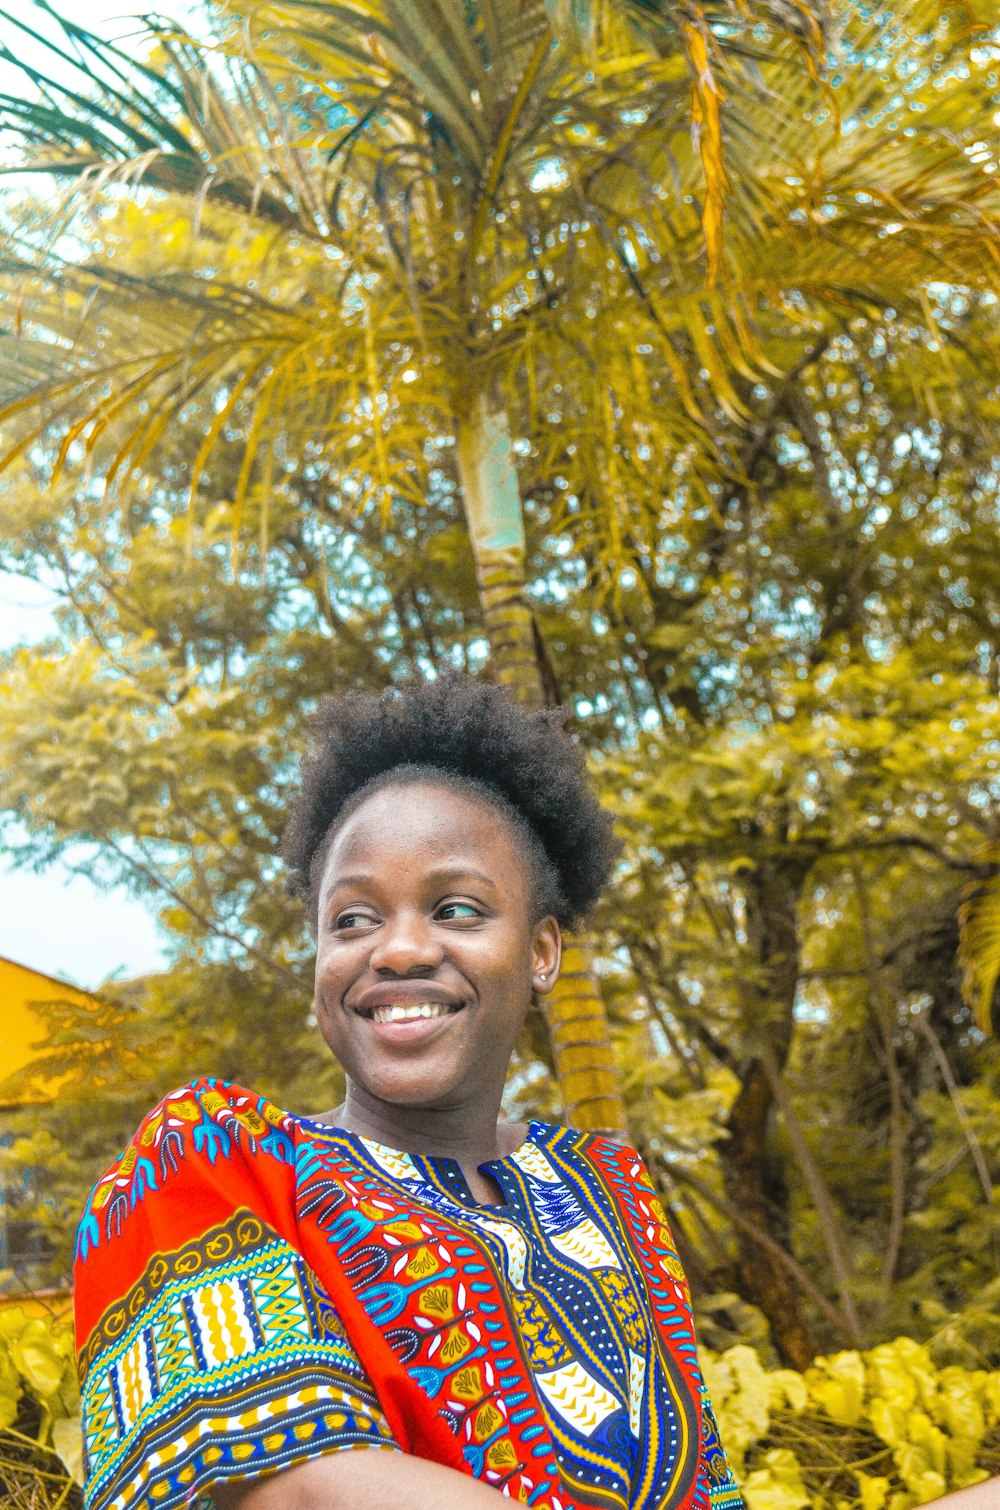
405, 944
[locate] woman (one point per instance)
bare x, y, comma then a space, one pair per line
258, 1291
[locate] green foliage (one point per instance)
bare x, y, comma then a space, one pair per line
979, 946
761, 526
886, 1429
396, 234
39, 1422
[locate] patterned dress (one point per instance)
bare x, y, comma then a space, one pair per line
254, 1289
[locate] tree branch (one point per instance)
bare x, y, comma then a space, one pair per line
977, 868
829, 1222
155, 879
762, 1238
879, 1018
968, 1131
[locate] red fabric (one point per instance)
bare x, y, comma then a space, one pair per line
209, 1151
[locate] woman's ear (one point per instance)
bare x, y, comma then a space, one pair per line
546, 955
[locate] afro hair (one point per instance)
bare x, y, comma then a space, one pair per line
473, 735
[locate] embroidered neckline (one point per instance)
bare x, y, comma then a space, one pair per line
537, 1131
439, 1166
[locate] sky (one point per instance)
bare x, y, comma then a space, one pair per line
57, 921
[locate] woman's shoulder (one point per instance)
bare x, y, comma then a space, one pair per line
552, 1153
209, 1113
207, 1099
604, 1144
206, 1134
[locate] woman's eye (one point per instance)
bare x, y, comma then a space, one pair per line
348, 921
458, 911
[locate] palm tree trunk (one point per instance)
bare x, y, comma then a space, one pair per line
581, 1043
496, 529
578, 1024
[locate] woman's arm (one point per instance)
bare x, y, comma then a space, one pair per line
984, 1496
362, 1479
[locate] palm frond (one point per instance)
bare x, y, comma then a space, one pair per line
508, 224
979, 944
186, 122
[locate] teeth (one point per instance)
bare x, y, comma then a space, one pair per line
410, 1013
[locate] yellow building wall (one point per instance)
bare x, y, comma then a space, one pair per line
46, 1305
22, 1030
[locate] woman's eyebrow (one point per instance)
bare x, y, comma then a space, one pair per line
360, 879
449, 872
456, 872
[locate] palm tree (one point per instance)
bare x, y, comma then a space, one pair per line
491, 242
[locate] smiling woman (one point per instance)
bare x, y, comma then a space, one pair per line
426, 921
478, 1310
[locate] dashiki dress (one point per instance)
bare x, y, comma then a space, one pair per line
254, 1289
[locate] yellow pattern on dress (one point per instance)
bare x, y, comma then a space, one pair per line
587, 1246
579, 1398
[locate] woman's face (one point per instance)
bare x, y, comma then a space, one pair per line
427, 950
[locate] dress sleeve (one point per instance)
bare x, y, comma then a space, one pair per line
215, 1358
723, 1493
714, 1475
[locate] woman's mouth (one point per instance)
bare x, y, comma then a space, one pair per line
411, 1011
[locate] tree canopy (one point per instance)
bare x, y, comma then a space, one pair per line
754, 474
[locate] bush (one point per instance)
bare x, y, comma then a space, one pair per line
40, 1452
881, 1430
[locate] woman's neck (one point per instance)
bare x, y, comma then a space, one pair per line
470, 1133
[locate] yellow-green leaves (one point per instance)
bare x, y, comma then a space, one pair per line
67, 1439
456, 186
37, 1364
706, 121
10, 1389
38, 1408
909, 1431
979, 946
777, 1484
738, 1385
34, 1357
837, 1385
